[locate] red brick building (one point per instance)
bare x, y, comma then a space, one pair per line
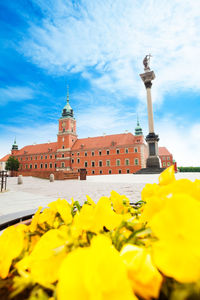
166, 157
107, 154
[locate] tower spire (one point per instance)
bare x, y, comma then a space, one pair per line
67, 110
67, 93
138, 128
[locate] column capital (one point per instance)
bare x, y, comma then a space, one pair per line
147, 76
148, 84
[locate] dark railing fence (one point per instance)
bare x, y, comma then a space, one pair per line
3, 180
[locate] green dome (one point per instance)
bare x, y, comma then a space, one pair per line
138, 129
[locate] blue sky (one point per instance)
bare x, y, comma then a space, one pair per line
97, 47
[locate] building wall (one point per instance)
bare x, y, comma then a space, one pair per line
166, 160
89, 156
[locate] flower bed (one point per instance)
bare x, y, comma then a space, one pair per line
108, 250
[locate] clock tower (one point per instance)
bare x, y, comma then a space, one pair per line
67, 127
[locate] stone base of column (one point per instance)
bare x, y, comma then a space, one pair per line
153, 162
150, 171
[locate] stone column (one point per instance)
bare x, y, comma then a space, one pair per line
151, 139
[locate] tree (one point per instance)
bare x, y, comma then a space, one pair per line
12, 164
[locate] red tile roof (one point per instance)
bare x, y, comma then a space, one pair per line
38, 148
163, 151
105, 141
5, 158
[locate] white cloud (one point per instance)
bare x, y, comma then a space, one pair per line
15, 94
113, 37
27, 135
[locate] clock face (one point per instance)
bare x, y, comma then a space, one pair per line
63, 124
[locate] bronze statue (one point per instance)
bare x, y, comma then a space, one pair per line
146, 62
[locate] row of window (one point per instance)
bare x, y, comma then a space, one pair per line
164, 158
164, 164
51, 156
35, 166
109, 172
107, 152
108, 164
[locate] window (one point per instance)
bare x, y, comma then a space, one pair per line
168, 164
117, 162
164, 157
164, 164
78, 160
35, 166
108, 163
100, 152
41, 157
41, 166
135, 149
62, 164
93, 163
26, 158
110, 172
127, 171
85, 164
72, 161
26, 166
117, 151
45, 156
78, 153
92, 153
30, 166
50, 165
108, 152
100, 163
168, 158
85, 153
45, 166
50, 156
55, 156
126, 150
36, 157
55, 165
31, 158
136, 161
21, 158
72, 154
100, 172
63, 147
93, 172
63, 129
63, 155
120, 171
127, 162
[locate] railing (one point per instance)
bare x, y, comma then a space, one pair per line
3, 180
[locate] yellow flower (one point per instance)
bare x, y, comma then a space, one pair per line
35, 220
177, 227
149, 190
47, 216
120, 202
11, 245
153, 206
167, 176
94, 219
44, 261
63, 208
145, 278
95, 273
90, 201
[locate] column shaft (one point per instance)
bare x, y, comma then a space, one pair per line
150, 110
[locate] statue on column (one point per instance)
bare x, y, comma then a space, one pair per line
146, 62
